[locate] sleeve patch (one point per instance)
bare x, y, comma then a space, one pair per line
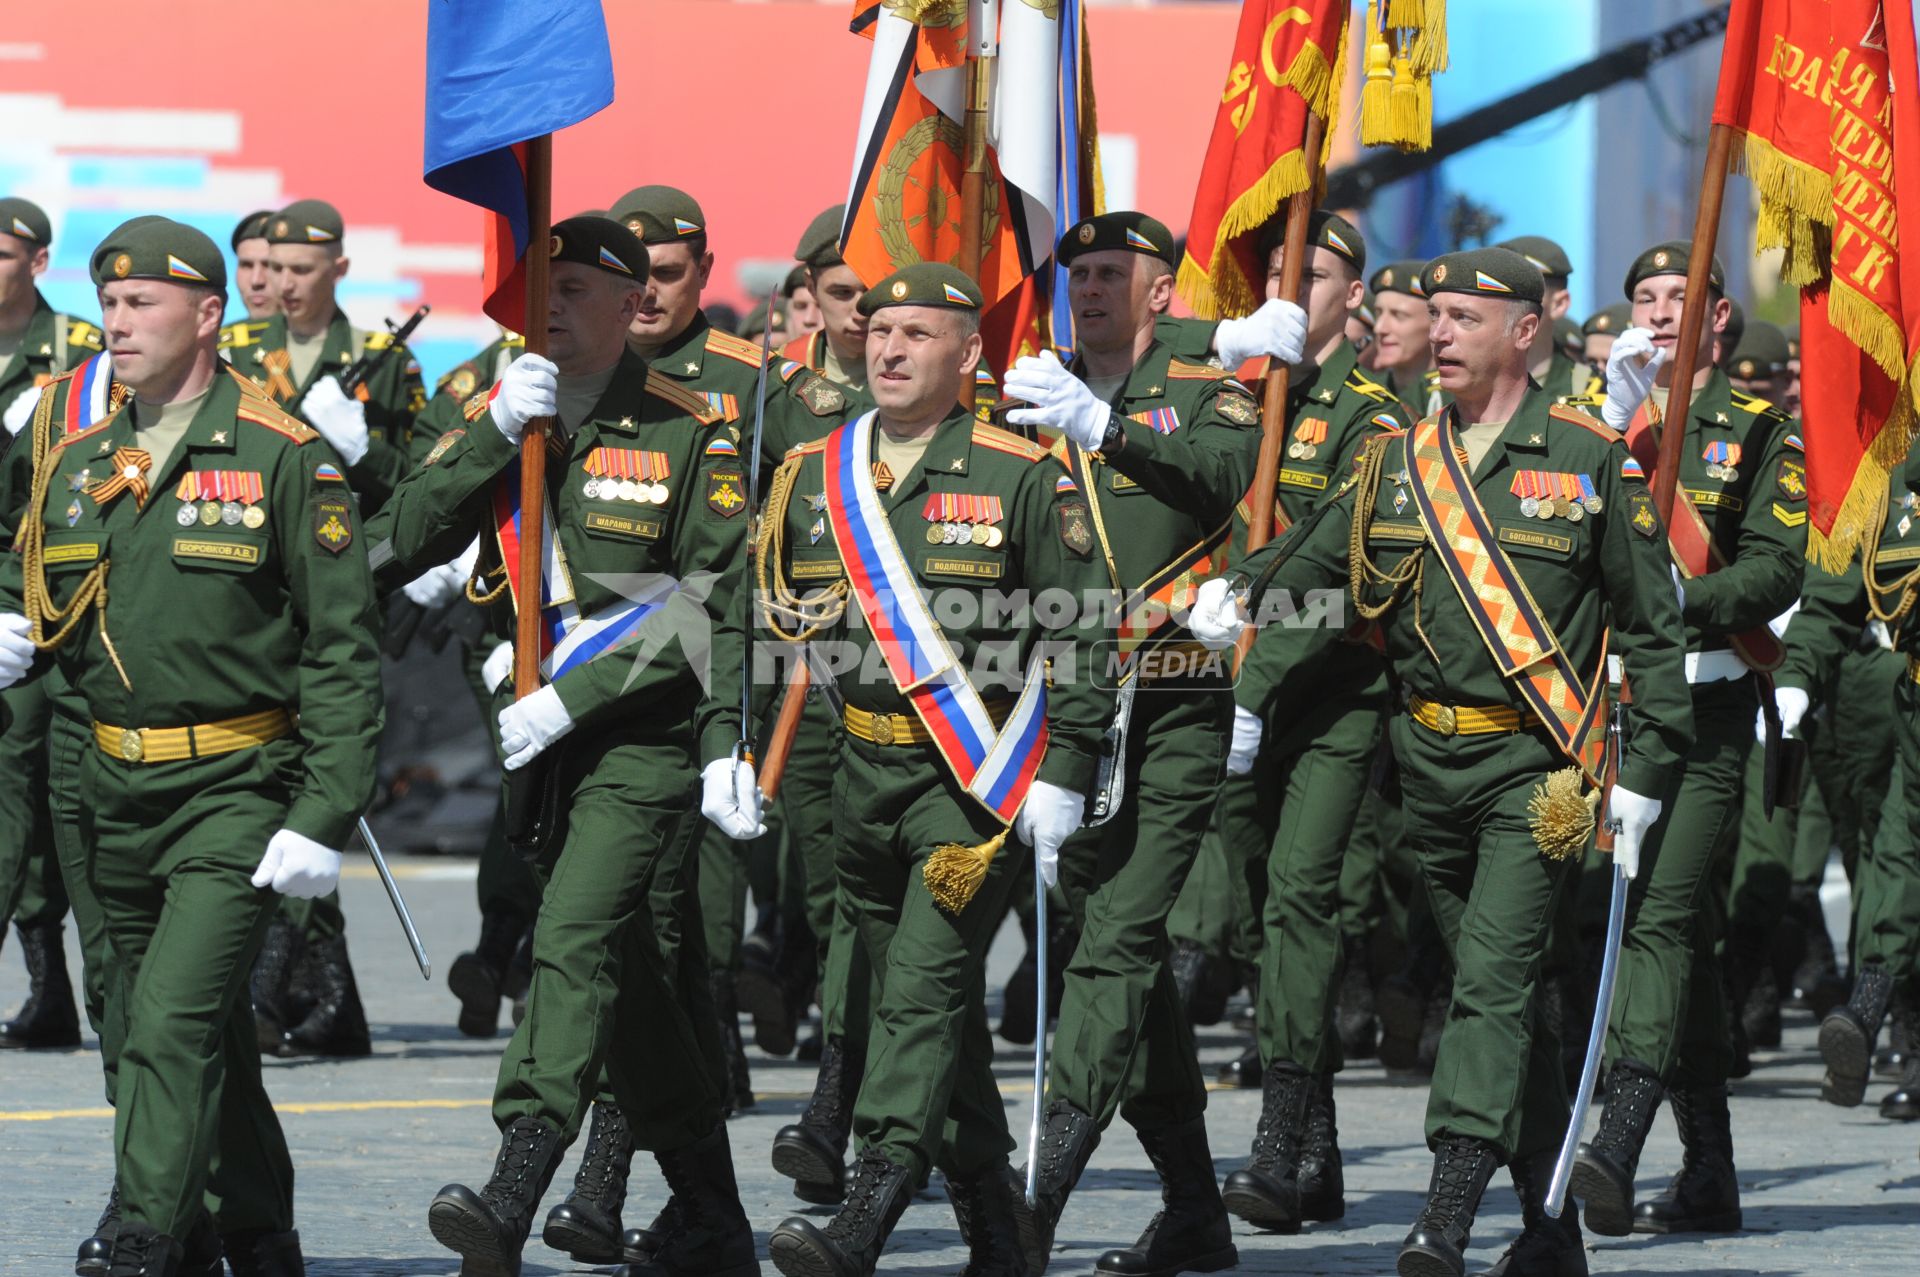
441, 445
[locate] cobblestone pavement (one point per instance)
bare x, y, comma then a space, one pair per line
1825, 1190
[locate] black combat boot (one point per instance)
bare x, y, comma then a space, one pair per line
1266, 1191
259, 1253
1705, 1196
1847, 1035
637, 1245
1760, 1009
777, 992
738, 1087
709, 1235
1902, 1012
337, 1025
1204, 984
849, 1246
96, 1253
983, 1206
1244, 1070
1604, 1168
1323, 1179
1546, 1247
272, 983
48, 1019
587, 1224
1902, 1104
813, 1151
201, 1249
138, 1251
1353, 1013
1191, 1232
1817, 983
1401, 1008
479, 977
1437, 1246
1067, 1140
489, 1228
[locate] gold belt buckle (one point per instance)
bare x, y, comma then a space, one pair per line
883, 729
1444, 720
132, 748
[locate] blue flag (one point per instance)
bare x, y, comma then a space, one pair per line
498, 73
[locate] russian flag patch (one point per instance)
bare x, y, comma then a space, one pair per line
1488, 284
327, 472
1065, 483
955, 296
1136, 240
1630, 469
722, 447
607, 259
681, 226
177, 269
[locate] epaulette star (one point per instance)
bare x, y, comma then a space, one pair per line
692, 366
1536, 438
626, 423
1153, 390
219, 436
959, 464
1326, 396
1720, 418
46, 349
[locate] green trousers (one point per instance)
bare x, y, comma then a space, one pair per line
1493, 896
806, 801
173, 847
602, 993
32, 892
1123, 1044
1669, 1008
928, 1097
1886, 925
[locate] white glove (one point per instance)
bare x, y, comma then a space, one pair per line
1629, 379
295, 865
1633, 815
16, 648
1048, 817
1791, 704
531, 724
529, 388
341, 420
436, 585
1059, 399
498, 667
1278, 330
730, 797
1247, 730
20, 411
1215, 618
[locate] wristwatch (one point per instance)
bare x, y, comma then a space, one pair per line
1115, 438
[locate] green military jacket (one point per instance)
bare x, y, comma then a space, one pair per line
1420, 395
267, 605
446, 410
614, 546
51, 344
1045, 543
1606, 572
1835, 610
1566, 378
394, 394
1757, 519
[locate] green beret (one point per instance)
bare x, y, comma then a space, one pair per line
660, 214
1484, 272
924, 284
1547, 257
158, 248
1127, 231
1399, 277
306, 222
1325, 229
1669, 258
755, 323
23, 219
252, 226
819, 245
1763, 352
1365, 313
1614, 319
1566, 332
601, 242
795, 281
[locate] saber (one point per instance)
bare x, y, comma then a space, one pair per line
743, 748
399, 905
1039, 1030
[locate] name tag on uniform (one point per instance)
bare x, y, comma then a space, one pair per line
1723, 500
1303, 478
1533, 540
814, 569
624, 525
219, 551
965, 567
88, 551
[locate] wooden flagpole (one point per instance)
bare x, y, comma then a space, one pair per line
533, 444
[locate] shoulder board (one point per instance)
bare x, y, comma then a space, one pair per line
262, 411
82, 333
1591, 399
1373, 390
1006, 441
1574, 417
1756, 405
808, 448
661, 386
245, 333
59, 377
378, 339
747, 352
94, 429
1181, 370
475, 405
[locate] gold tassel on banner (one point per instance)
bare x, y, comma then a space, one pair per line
1403, 52
953, 873
1562, 811
1376, 95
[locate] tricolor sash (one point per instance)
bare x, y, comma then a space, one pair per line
995, 765
1511, 624
87, 396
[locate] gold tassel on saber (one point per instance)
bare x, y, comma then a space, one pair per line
1563, 810
953, 873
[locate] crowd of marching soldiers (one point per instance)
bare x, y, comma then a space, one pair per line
1378, 820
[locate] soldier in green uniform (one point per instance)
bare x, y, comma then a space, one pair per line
1743, 478
204, 499
1162, 450
1405, 360
1558, 371
1761, 366
252, 271
1497, 599
1600, 330
924, 509
644, 484
837, 348
37, 343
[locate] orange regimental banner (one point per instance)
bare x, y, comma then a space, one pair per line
1288, 60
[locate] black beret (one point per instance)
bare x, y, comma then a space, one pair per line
923, 284
1670, 258
23, 219
1614, 319
819, 245
252, 226
1399, 277
1547, 257
600, 242
158, 248
306, 222
1484, 272
660, 214
1127, 231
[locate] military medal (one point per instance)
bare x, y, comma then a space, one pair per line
1589, 499
980, 531
73, 514
78, 482
658, 494
818, 530
1311, 432
590, 489
626, 474
219, 496
209, 513
187, 515
1723, 461
254, 517
933, 533
994, 537
230, 513
1526, 486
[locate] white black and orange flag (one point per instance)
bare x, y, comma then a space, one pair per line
1822, 97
